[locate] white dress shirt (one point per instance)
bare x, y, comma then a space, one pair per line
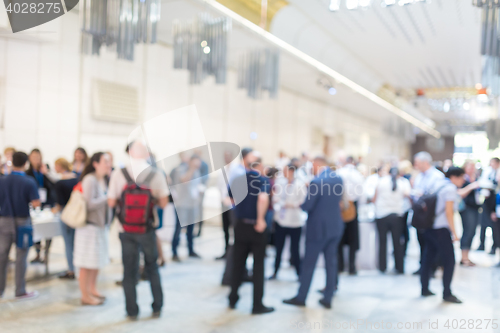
353, 182
292, 194
388, 201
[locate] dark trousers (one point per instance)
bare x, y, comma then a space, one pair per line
438, 242
132, 244
350, 238
247, 240
177, 235
329, 247
279, 241
486, 222
226, 223
393, 224
405, 237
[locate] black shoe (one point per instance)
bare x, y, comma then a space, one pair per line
480, 248
294, 301
156, 314
452, 299
232, 303
37, 260
176, 258
417, 272
493, 251
427, 293
222, 257
194, 255
321, 291
273, 277
68, 276
325, 303
262, 310
353, 272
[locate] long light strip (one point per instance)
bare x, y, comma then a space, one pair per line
339, 78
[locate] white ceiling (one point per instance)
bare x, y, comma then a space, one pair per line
419, 45
423, 45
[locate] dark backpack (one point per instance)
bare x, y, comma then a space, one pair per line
136, 205
424, 211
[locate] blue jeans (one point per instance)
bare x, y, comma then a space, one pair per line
132, 244
177, 234
470, 219
68, 234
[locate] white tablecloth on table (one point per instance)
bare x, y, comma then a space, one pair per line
46, 225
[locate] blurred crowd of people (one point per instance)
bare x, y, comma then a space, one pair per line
290, 198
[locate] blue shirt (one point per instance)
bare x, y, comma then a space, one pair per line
427, 182
257, 184
16, 192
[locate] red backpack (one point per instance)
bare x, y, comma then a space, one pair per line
136, 205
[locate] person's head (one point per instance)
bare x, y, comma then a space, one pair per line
35, 159
422, 161
228, 156
341, 158
19, 160
80, 156
271, 172
256, 164
61, 165
495, 162
456, 176
349, 160
195, 162
245, 152
137, 150
469, 167
98, 164
8, 153
295, 162
394, 173
111, 157
405, 167
289, 172
319, 163
282, 154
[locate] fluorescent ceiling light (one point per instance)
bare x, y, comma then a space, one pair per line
334, 5
351, 4
365, 3
336, 76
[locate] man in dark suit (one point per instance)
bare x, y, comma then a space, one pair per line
324, 230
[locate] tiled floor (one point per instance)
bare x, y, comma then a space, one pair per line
195, 302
